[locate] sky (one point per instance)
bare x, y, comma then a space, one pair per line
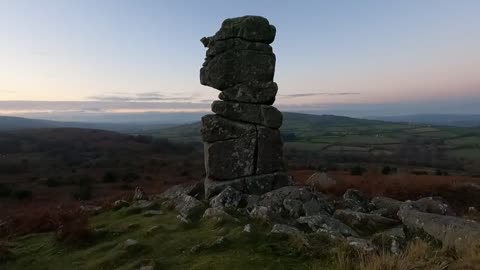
352, 57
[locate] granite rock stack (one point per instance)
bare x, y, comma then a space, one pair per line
243, 146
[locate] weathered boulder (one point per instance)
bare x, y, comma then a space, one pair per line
293, 207
229, 198
218, 215
188, 207
140, 206
355, 200
226, 160
237, 66
463, 234
195, 189
321, 182
313, 203
391, 206
119, 204
327, 224
282, 229
251, 28
132, 245
251, 92
364, 223
220, 46
217, 128
393, 239
263, 214
269, 150
265, 115
255, 185
433, 205
360, 244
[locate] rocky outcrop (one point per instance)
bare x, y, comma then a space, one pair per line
327, 224
365, 223
451, 231
243, 146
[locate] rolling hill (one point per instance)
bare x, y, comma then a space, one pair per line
336, 139
10, 123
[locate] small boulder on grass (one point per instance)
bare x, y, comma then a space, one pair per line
151, 213
228, 198
282, 229
132, 245
140, 206
218, 215
119, 204
365, 223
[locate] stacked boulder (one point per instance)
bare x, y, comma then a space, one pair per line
243, 146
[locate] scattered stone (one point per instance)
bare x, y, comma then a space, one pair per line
263, 214
433, 206
131, 245
365, 223
218, 215
196, 248
229, 198
188, 207
321, 182
195, 190
293, 207
151, 213
247, 228
355, 200
142, 205
327, 224
153, 229
388, 206
139, 194
251, 201
147, 267
361, 244
219, 242
451, 231
119, 204
91, 209
313, 203
283, 229
183, 219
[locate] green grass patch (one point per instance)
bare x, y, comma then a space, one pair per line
167, 242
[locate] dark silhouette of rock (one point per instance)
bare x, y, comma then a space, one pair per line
243, 146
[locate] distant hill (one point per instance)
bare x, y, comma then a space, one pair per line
458, 120
298, 123
330, 139
9, 123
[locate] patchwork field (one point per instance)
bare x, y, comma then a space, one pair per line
326, 139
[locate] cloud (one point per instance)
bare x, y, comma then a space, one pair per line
139, 97
320, 94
